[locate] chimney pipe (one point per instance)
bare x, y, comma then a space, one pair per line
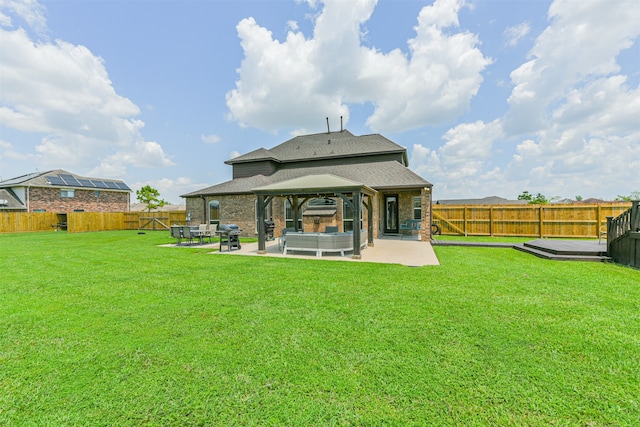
328, 130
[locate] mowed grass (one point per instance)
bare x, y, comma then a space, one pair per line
109, 329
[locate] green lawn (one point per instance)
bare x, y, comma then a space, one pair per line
109, 329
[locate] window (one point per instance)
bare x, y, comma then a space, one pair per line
417, 207
321, 202
347, 216
96, 193
67, 193
214, 212
288, 216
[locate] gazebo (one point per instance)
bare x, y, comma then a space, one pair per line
325, 185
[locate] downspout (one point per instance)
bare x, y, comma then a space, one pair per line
27, 198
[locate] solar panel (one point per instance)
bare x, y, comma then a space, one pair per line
123, 186
70, 180
55, 180
86, 183
99, 183
111, 184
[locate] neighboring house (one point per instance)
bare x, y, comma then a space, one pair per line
490, 200
400, 199
61, 191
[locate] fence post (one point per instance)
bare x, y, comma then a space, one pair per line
464, 215
541, 220
491, 221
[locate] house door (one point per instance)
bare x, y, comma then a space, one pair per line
391, 213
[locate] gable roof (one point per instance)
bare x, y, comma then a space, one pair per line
324, 146
62, 178
312, 184
9, 200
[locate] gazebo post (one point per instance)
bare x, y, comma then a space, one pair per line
357, 208
370, 220
261, 234
296, 212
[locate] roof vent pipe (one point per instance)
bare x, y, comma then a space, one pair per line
328, 130
340, 123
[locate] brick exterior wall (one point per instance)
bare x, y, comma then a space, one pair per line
51, 200
405, 211
240, 210
234, 209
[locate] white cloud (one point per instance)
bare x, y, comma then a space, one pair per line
32, 12
514, 34
581, 114
297, 82
462, 166
580, 44
63, 93
210, 139
572, 127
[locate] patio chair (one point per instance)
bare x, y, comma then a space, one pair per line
602, 232
186, 234
205, 231
175, 233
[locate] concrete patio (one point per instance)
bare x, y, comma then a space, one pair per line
411, 253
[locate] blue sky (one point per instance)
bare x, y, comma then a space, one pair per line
489, 97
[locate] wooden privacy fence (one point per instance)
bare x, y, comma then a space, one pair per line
153, 220
15, 222
526, 220
77, 222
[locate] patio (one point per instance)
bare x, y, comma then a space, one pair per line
387, 250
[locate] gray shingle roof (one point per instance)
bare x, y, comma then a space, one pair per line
259, 154
311, 183
379, 176
322, 146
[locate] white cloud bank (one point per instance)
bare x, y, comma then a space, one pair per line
62, 93
573, 121
293, 83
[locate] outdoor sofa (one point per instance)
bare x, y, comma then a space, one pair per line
322, 242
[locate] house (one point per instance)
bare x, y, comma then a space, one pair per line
310, 182
61, 191
490, 200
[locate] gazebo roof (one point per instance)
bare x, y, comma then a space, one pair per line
314, 184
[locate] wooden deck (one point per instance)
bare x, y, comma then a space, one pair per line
554, 249
566, 250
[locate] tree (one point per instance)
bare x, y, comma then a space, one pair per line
150, 197
634, 196
538, 199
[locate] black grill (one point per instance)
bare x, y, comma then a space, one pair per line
269, 226
229, 236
